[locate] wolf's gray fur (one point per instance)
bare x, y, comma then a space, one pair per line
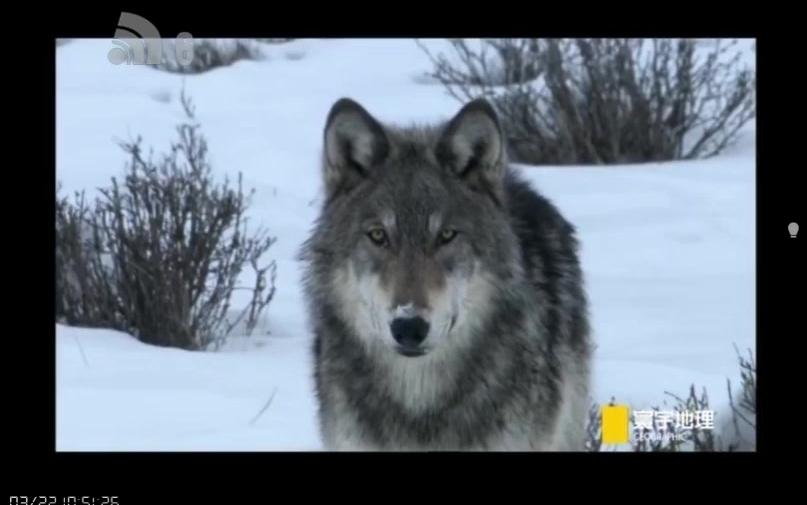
445, 294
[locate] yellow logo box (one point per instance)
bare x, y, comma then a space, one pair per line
615, 424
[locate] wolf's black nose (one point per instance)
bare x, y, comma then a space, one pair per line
409, 332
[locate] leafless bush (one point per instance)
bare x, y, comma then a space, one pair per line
209, 54
275, 40
702, 440
162, 250
493, 62
594, 429
604, 101
82, 296
744, 412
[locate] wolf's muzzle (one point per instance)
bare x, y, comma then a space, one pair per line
409, 332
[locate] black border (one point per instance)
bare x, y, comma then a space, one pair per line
31, 439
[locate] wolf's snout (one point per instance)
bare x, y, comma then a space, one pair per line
409, 332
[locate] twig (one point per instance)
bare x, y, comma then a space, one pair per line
266, 406
81, 349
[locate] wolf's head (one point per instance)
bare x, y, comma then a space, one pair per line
414, 238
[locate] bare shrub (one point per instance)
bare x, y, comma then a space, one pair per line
605, 101
208, 54
160, 253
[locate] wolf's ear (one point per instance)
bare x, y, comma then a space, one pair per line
354, 143
473, 148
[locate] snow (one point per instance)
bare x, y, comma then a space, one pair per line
124, 395
668, 249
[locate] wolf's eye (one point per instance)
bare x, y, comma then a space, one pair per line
447, 235
378, 236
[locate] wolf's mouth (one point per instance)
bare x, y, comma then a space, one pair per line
410, 353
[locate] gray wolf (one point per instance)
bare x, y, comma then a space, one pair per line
444, 293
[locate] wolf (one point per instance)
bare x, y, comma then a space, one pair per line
444, 293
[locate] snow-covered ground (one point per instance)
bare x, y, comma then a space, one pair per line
668, 249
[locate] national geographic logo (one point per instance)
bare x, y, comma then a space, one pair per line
651, 424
